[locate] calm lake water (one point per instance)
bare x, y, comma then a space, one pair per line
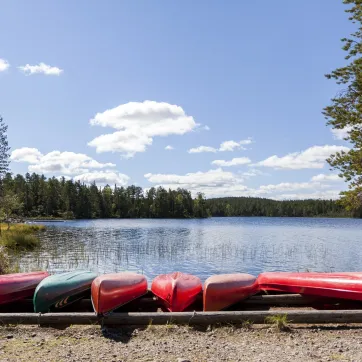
201, 247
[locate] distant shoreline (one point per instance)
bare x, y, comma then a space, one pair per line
193, 218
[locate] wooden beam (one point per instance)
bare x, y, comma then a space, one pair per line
282, 299
199, 318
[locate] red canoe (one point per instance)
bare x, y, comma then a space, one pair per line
111, 291
18, 286
177, 290
331, 285
222, 291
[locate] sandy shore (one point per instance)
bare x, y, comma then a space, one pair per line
181, 343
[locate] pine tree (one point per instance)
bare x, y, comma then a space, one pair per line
4, 149
345, 112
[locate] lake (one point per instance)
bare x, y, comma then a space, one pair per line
201, 247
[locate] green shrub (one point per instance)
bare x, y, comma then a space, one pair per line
19, 240
4, 260
24, 228
279, 321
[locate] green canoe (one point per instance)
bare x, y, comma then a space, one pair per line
60, 290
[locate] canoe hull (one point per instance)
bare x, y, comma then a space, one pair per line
59, 290
177, 290
19, 286
331, 285
222, 291
111, 291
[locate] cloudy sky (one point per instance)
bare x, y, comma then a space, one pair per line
219, 97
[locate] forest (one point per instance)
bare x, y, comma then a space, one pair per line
253, 206
41, 197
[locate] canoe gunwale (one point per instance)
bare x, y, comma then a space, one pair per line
104, 314
118, 305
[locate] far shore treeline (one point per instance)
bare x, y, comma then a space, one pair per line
40, 197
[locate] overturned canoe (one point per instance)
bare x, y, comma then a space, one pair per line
222, 291
331, 285
176, 290
111, 291
60, 290
19, 286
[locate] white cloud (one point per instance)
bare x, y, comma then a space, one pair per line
253, 172
323, 177
325, 195
169, 148
291, 186
224, 146
340, 134
211, 177
67, 163
220, 183
103, 178
233, 145
3, 65
41, 68
137, 123
230, 146
313, 157
26, 154
206, 128
234, 162
213, 182
202, 149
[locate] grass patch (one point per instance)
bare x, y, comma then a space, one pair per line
19, 240
280, 322
247, 324
19, 237
4, 260
22, 228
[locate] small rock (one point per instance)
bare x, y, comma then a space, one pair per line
9, 336
183, 360
33, 335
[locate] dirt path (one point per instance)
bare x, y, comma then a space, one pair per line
180, 343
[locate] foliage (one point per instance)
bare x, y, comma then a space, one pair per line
20, 236
9, 205
53, 198
4, 149
24, 228
19, 240
252, 206
345, 112
4, 260
279, 321
42, 197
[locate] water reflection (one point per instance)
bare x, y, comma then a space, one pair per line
201, 247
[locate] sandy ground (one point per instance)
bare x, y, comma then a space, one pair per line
181, 343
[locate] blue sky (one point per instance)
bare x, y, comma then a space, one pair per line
152, 74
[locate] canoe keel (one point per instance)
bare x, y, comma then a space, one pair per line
222, 291
177, 290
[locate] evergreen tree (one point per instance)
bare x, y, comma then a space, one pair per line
4, 149
345, 112
42, 197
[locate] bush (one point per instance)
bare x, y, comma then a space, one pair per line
23, 228
19, 240
4, 260
20, 236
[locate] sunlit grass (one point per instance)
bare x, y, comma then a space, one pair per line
4, 260
17, 237
23, 228
19, 240
280, 322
